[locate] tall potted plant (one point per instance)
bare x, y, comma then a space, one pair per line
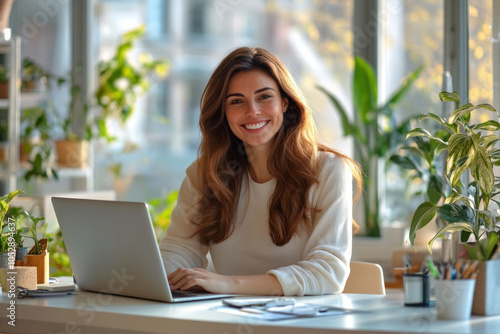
467, 207
372, 141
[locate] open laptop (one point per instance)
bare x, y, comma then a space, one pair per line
112, 249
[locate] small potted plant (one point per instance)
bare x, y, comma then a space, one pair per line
38, 255
34, 78
469, 208
4, 82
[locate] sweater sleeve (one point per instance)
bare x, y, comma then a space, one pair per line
178, 247
325, 265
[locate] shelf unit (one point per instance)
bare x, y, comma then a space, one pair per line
11, 171
11, 48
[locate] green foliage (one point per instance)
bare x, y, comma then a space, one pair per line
160, 209
121, 82
59, 259
4, 74
372, 141
35, 122
470, 151
35, 228
5, 228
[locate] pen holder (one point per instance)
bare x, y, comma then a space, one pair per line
454, 298
417, 289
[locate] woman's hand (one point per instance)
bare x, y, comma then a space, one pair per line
197, 279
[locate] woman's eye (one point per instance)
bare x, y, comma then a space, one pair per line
265, 96
235, 101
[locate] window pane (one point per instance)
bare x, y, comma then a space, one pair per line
412, 35
312, 37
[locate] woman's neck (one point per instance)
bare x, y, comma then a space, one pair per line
258, 157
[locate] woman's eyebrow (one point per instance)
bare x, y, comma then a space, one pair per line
256, 92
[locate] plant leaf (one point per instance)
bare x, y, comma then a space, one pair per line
422, 216
451, 228
456, 213
364, 89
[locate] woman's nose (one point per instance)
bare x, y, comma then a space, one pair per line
253, 109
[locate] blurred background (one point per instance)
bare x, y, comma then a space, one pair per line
316, 39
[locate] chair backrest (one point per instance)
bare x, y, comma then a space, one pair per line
366, 278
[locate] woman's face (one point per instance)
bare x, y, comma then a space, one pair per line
254, 107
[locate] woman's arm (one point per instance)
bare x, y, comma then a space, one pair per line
196, 279
325, 265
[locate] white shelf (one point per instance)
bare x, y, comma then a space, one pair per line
4, 103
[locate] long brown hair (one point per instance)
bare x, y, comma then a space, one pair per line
222, 160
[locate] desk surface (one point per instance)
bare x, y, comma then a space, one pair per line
88, 312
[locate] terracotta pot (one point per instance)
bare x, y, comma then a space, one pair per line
3, 154
72, 153
4, 90
487, 291
41, 262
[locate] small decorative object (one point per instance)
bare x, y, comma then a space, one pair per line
417, 289
454, 298
23, 276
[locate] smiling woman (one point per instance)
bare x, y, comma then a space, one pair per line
271, 204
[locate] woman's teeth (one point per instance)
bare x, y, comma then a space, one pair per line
255, 126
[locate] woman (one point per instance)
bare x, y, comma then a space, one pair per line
271, 205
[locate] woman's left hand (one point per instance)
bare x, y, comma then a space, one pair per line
197, 279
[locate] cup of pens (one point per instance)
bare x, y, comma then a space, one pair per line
454, 290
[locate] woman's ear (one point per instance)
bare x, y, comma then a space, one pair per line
285, 104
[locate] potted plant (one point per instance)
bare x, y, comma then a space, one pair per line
469, 206
372, 142
33, 76
8, 230
38, 255
4, 82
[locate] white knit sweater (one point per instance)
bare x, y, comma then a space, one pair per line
310, 264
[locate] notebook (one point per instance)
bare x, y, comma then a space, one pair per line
112, 249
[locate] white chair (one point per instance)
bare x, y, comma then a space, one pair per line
366, 278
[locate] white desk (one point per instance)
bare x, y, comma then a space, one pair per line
88, 312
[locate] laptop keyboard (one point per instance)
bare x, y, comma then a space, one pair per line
182, 294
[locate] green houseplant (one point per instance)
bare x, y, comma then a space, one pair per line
372, 141
467, 206
470, 150
33, 76
38, 255
9, 234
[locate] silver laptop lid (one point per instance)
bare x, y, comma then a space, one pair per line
112, 247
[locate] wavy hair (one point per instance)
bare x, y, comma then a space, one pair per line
222, 160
